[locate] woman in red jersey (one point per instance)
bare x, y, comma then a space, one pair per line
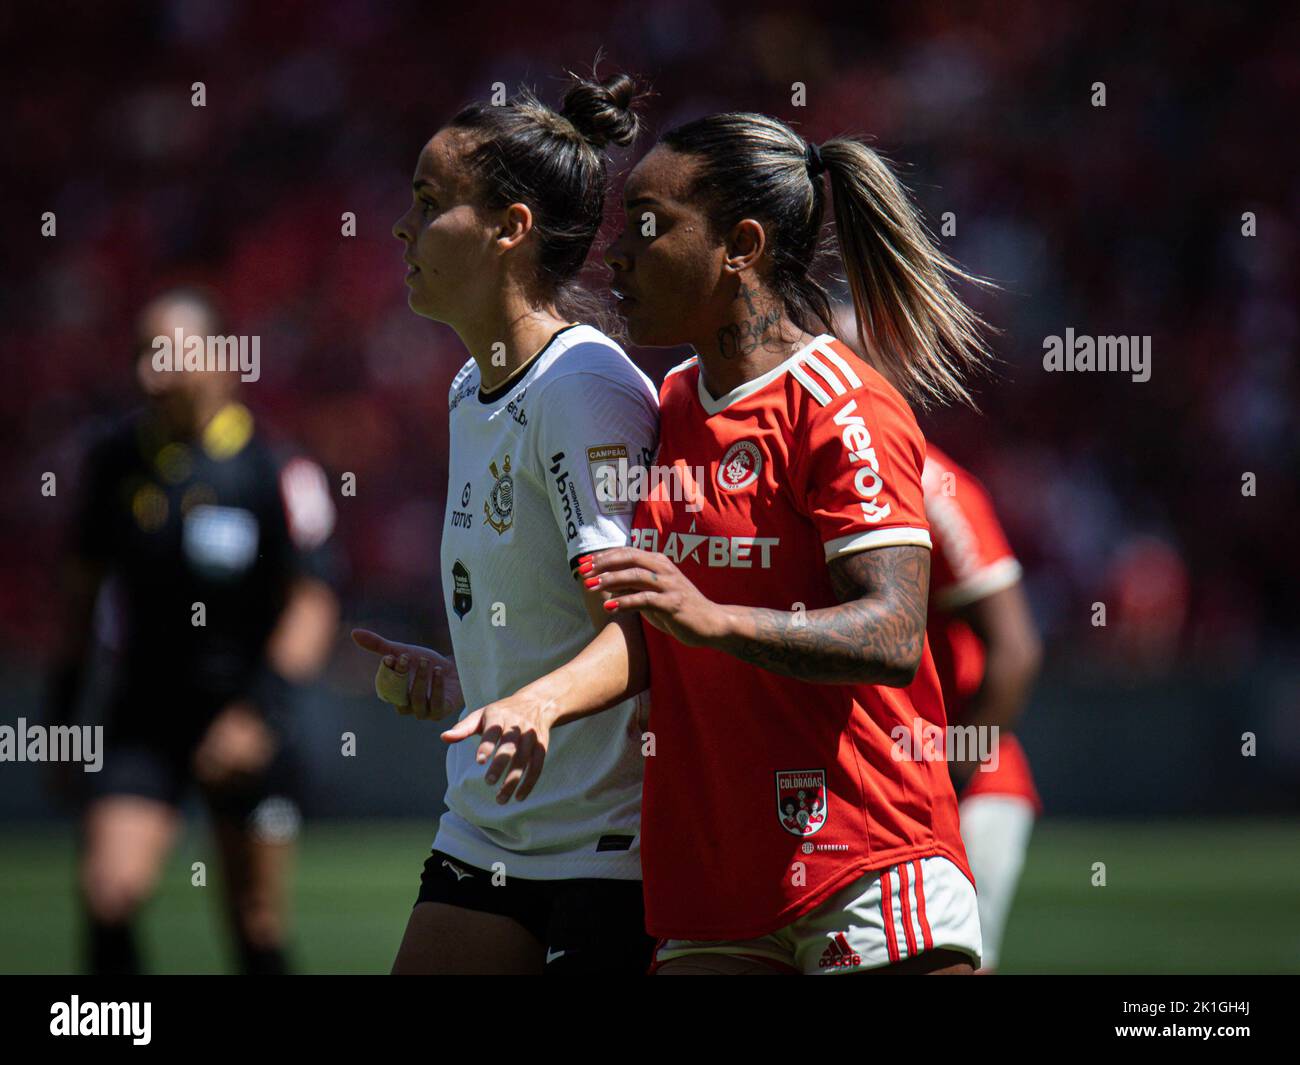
791, 822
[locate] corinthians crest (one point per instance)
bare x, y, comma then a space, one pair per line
801, 800
499, 507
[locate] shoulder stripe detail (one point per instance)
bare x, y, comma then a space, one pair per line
900, 536
818, 393
822, 371
842, 363
791, 365
686, 365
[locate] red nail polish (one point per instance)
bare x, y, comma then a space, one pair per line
611, 605
591, 582
585, 558
586, 568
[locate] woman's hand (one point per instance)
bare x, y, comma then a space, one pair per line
415, 679
237, 745
516, 731
651, 583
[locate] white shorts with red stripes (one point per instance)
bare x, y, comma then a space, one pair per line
879, 919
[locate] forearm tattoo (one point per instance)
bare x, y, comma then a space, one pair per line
875, 636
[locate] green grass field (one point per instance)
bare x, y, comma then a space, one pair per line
1221, 896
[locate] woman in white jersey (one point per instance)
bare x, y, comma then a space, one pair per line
506, 203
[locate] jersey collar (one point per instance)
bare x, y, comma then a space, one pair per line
489, 396
748, 388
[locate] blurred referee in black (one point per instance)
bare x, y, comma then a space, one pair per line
187, 514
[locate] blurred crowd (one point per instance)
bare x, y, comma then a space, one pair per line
1123, 219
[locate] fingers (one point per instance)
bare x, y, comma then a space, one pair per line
504, 756
631, 579
428, 692
392, 682
513, 751
374, 643
491, 737
470, 725
521, 758
420, 690
636, 601
438, 694
618, 558
531, 774
634, 579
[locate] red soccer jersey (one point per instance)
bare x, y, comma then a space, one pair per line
970, 559
767, 794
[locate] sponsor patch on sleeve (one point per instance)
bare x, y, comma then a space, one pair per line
609, 471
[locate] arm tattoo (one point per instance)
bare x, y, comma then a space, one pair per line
875, 636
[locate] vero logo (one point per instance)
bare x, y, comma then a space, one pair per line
867, 481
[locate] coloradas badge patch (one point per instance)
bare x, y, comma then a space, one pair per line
740, 466
801, 800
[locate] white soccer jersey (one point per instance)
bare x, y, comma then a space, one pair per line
521, 507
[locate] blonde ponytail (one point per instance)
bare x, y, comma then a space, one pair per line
911, 324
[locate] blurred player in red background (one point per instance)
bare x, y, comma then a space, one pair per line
987, 651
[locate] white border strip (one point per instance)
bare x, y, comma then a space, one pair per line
995, 577
898, 536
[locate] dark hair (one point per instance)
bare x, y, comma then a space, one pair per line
554, 161
911, 325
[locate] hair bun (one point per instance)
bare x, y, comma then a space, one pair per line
602, 111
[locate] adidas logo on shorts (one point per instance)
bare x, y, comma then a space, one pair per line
839, 955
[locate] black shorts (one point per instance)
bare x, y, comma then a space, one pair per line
155, 761
587, 926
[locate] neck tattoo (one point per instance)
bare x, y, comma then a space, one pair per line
739, 339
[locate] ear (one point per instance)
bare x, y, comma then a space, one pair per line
516, 224
745, 246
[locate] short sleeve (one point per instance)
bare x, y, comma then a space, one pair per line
591, 427
972, 558
861, 473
